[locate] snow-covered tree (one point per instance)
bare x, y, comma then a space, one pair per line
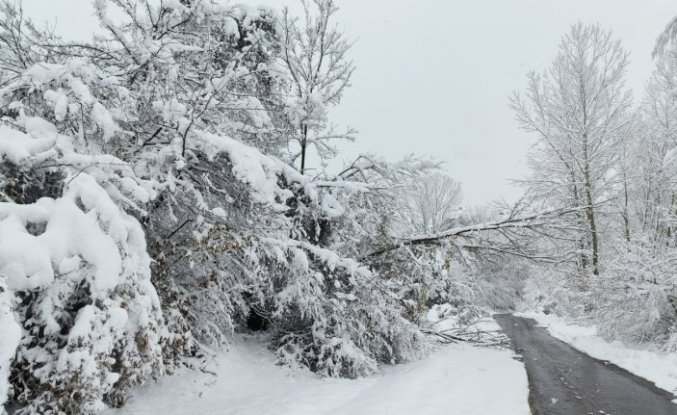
165, 137
430, 204
640, 278
315, 55
578, 109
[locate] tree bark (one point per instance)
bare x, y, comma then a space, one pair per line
304, 144
590, 210
626, 222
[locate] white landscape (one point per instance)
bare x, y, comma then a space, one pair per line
331, 207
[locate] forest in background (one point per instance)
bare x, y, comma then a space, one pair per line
163, 188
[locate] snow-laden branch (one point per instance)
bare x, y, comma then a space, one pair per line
528, 221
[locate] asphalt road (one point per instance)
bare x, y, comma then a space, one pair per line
564, 381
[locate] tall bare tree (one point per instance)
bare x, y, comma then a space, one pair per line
578, 108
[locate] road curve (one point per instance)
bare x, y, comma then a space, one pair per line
564, 381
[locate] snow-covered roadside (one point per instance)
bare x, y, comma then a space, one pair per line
660, 368
455, 379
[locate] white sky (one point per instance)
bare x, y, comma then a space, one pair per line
433, 76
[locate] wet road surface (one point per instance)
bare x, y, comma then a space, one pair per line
564, 381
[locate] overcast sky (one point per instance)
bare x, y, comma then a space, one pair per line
434, 76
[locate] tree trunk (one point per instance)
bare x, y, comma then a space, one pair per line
625, 214
304, 144
587, 181
590, 210
582, 258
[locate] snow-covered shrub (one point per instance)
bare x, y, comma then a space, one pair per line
76, 263
331, 316
637, 296
421, 278
78, 276
262, 252
207, 245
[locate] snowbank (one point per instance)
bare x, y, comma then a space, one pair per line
660, 368
457, 379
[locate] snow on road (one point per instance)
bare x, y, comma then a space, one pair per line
456, 379
659, 368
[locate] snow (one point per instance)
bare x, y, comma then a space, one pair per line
104, 119
17, 146
59, 101
27, 260
11, 336
655, 366
456, 379
444, 317
250, 166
